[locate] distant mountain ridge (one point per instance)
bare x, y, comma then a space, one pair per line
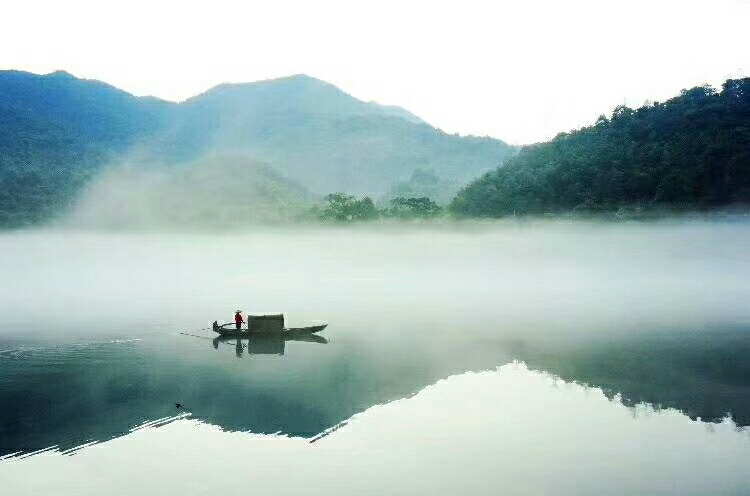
57, 132
91, 111
320, 136
300, 94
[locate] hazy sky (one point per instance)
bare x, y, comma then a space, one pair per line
521, 71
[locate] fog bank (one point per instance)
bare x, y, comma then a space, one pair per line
543, 279
216, 192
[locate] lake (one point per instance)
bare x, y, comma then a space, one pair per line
613, 356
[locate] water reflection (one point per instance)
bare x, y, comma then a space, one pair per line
509, 431
265, 344
703, 372
97, 390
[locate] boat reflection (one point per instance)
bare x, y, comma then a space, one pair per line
265, 344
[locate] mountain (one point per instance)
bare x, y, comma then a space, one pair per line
692, 151
292, 96
321, 137
58, 133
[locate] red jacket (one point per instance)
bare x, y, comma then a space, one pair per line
238, 319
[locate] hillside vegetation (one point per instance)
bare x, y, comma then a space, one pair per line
55, 134
692, 151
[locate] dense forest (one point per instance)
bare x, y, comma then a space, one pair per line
690, 152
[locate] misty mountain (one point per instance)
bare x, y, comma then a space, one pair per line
321, 137
58, 132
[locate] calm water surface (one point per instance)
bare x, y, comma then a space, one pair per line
101, 332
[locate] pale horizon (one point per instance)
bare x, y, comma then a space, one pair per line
520, 72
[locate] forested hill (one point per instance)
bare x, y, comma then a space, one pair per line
55, 133
58, 133
692, 151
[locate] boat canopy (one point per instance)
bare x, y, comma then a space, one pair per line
266, 323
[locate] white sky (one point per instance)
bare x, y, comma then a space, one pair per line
521, 71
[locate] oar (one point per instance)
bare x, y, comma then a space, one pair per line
195, 335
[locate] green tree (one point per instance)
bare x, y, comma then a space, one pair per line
346, 208
421, 207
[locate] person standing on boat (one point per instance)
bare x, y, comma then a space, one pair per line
238, 321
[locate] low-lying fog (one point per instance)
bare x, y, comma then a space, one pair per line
557, 280
216, 192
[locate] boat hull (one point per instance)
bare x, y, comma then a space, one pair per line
283, 332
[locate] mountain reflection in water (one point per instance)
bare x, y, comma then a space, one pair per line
506, 432
704, 372
98, 390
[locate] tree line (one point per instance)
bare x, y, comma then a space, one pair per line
342, 207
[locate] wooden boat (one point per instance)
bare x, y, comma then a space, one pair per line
265, 325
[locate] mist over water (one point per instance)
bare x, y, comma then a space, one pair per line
90, 321
555, 280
